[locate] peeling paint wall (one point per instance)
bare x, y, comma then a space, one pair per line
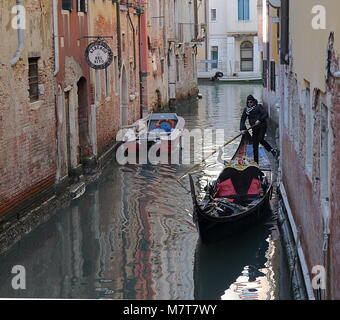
309, 129
27, 130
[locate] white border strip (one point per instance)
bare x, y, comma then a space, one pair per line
301, 255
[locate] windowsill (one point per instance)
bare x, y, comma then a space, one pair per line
36, 105
81, 14
66, 12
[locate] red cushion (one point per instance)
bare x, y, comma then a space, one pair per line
254, 187
226, 188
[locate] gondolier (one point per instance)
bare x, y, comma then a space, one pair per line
256, 115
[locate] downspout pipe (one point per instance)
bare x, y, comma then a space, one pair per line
119, 36
55, 36
21, 40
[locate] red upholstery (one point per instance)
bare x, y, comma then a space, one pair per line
226, 188
255, 187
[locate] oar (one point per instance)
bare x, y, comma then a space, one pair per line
225, 144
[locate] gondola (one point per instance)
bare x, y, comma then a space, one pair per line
238, 198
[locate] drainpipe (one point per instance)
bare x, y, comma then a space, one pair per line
55, 36
119, 38
196, 18
21, 41
141, 98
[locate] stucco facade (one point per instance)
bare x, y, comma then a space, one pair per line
228, 35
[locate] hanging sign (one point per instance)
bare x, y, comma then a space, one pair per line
98, 55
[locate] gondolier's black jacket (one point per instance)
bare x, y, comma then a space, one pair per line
258, 113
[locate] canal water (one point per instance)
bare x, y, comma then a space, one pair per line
131, 235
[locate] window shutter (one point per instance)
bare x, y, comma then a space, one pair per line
240, 9
246, 9
272, 76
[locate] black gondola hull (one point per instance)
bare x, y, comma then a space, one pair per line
218, 229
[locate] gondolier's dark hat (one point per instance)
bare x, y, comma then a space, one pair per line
250, 97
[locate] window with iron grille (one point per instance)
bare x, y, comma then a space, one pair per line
67, 4
213, 14
33, 79
247, 56
82, 5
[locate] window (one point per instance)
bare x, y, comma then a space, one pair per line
243, 9
116, 73
82, 5
98, 86
284, 39
162, 65
309, 132
264, 72
67, 4
246, 56
214, 57
107, 82
132, 78
272, 76
177, 68
33, 79
213, 15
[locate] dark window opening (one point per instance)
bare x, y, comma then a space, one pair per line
272, 76
264, 72
247, 56
33, 79
284, 38
82, 5
67, 4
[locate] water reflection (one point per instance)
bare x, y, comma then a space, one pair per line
235, 269
131, 236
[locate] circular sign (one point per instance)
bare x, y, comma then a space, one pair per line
98, 55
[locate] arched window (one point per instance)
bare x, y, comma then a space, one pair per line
247, 56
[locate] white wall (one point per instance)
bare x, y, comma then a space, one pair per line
227, 22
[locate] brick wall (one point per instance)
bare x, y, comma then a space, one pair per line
303, 189
27, 130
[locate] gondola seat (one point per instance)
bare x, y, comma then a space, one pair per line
239, 186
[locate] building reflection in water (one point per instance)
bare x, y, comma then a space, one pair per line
131, 235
